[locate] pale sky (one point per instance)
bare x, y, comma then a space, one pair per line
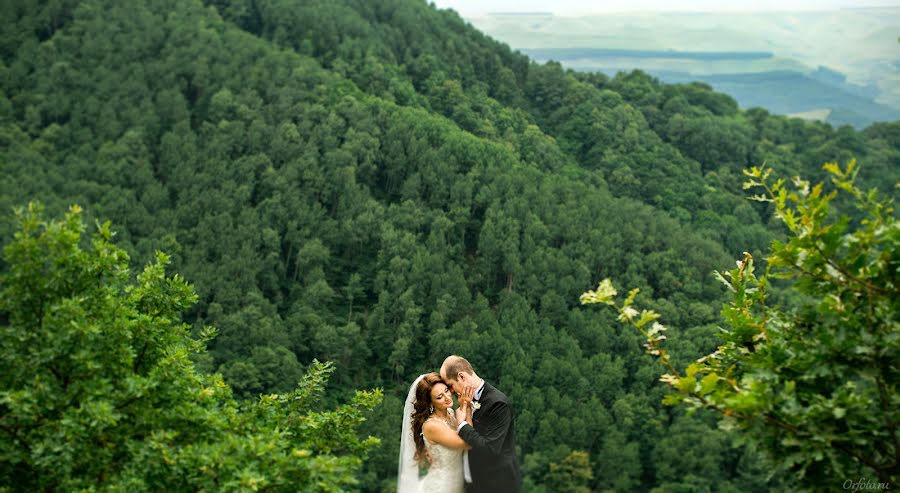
573, 7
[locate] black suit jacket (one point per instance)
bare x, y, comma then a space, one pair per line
492, 458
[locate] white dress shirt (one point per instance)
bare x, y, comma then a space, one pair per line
467, 473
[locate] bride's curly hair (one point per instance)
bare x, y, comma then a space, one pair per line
422, 411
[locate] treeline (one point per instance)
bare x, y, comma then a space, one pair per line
560, 54
378, 184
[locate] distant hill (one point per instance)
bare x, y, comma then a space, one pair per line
793, 92
784, 92
602, 53
786, 62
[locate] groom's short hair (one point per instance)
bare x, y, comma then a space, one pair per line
455, 364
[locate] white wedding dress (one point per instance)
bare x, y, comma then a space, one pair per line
445, 474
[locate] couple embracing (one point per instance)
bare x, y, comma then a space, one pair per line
468, 449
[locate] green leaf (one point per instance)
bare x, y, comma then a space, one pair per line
673, 399
630, 299
722, 279
605, 293
647, 316
708, 383
686, 384
692, 369
834, 169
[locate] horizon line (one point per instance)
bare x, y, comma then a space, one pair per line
569, 13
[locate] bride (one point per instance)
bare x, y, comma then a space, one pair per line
429, 439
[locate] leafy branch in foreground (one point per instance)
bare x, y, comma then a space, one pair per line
98, 391
814, 386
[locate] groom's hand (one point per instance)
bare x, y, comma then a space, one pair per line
467, 396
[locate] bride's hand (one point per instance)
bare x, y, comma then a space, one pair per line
462, 412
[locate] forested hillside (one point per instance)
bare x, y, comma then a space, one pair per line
377, 184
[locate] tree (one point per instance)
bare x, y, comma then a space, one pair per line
813, 385
98, 391
572, 475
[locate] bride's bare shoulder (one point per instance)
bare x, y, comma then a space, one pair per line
433, 426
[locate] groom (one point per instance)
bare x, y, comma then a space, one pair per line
490, 465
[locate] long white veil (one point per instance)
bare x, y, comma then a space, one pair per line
408, 471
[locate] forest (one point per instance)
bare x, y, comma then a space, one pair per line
311, 202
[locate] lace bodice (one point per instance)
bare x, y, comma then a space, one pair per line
445, 474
